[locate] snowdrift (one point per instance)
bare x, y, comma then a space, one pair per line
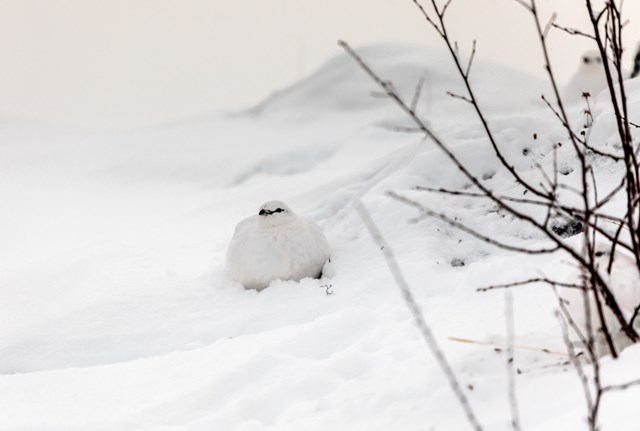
117, 313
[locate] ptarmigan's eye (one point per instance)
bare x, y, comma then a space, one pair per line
264, 212
599, 253
586, 60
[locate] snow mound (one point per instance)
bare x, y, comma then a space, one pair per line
117, 314
340, 85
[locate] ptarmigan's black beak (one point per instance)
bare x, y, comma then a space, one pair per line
263, 212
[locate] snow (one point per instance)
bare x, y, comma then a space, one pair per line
117, 313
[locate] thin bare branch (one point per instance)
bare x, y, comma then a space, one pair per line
444, 8
453, 50
471, 57
573, 31
547, 27
565, 210
426, 16
401, 129
576, 363
417, 314
524, 4
577, 138
636, 311
470, 231
631, 123
502, 347
560, 244
417, 92
528, 282
457, 96
511, 369
621, 387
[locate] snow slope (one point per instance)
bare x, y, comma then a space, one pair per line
117, 313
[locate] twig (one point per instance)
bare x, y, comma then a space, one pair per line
596, 280
523, 4
631, 123
511, 369
417, 92
547, 27
427, 17
576, 364
530, 281
502, 347
445, 7
416, 312
458, 96
452, 47
469, 230
636, 311
573, 31
621, 387
610, 299
471, 57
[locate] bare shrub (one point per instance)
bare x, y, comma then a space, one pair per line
604, 320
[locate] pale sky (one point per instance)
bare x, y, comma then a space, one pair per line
133, 63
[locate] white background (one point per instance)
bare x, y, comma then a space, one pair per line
123, 63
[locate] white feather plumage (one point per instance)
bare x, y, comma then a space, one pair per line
589, 78
276, 244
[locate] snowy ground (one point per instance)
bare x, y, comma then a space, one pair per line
117, 313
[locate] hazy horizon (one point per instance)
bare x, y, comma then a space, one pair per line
122, 64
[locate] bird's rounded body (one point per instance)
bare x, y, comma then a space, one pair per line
276, 245
589, 78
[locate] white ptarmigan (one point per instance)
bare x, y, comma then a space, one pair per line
276, 244
589, 78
